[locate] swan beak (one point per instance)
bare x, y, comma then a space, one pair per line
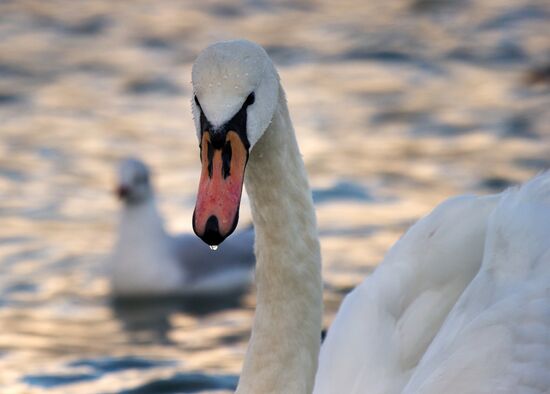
220, 187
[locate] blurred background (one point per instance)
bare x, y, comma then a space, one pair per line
397, 106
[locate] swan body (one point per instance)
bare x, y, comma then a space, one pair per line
461, 304
146, 260
385, 324
496, 338
442, 312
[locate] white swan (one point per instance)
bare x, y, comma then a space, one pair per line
497, 337
147, 261
403, 328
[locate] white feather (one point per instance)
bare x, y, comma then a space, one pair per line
386, 324
497, 337
146, 260
428, 319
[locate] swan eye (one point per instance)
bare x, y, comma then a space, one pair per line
197, 102
250, 99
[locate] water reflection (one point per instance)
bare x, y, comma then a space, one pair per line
151, 316
186, 383
179, 383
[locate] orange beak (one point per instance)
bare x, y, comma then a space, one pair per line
220, 187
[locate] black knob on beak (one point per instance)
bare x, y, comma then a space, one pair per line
212, 234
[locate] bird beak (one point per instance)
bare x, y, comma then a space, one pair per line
220, 187
122, 192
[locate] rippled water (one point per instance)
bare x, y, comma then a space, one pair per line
397, 105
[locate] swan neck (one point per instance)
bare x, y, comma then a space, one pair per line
283, 350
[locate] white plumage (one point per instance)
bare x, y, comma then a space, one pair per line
497, 337
430, 320
460, 304
386, 324
147, 261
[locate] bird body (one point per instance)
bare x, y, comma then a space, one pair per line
394, 315
148, 261
496, 339
459, 304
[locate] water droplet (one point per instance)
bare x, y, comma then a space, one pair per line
214, 247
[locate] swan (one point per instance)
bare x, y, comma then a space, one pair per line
496, 339
147, 261
460, 304
411, 326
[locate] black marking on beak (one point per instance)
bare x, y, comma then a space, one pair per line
218, 135
227, 153
210, 152
212, 234
226, 159
237, 123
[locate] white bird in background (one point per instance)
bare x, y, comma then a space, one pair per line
461, 303
147, 261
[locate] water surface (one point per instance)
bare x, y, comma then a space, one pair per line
397, 106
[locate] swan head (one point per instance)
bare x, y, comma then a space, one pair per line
133, 183
236, 91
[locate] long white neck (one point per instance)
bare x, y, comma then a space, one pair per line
283, 350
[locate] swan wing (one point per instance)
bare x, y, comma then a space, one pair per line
386, 324
497, 337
